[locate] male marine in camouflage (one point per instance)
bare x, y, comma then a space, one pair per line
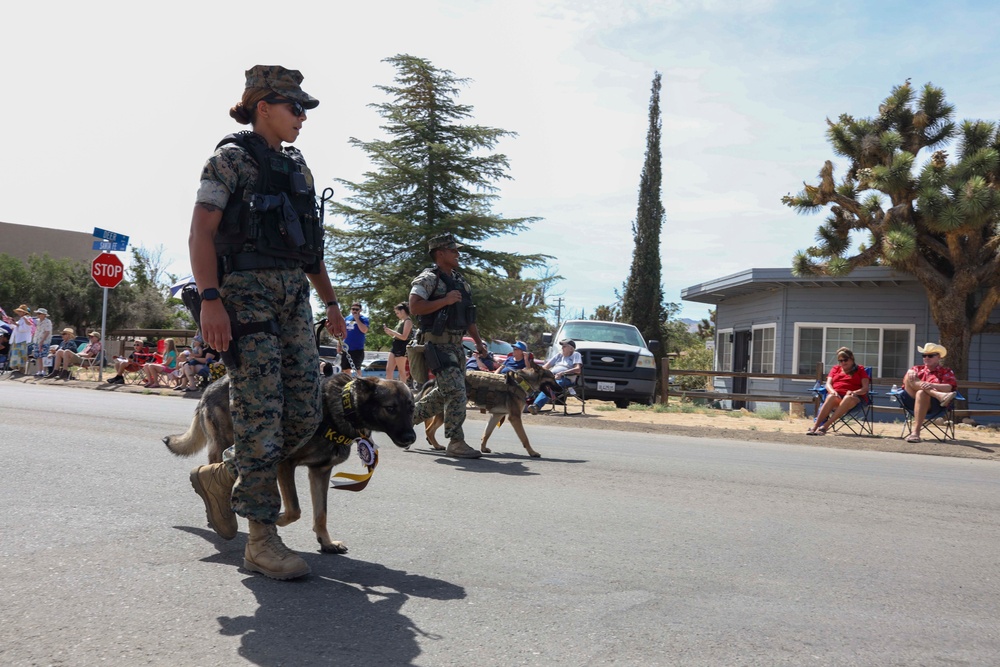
442, 300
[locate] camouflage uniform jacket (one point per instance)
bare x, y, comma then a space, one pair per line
231, 167
429, 286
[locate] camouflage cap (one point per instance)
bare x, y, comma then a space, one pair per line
283, 81
442, 241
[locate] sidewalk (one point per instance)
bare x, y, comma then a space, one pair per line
90, 381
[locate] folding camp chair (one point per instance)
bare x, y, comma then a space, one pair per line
859, 419
133, 373
939, 421
571, 395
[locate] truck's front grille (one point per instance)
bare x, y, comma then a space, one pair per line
597, 360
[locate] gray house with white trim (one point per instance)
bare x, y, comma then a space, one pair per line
770, 321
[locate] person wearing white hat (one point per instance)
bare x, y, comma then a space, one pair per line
928, 386
20, 339
40, 341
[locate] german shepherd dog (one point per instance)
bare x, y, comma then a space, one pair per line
378, 405
501, 401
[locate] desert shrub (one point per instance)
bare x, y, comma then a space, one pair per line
697, 358
774, 413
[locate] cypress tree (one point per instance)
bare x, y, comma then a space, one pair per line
642, 301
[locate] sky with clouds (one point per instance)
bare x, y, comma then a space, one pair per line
111, 108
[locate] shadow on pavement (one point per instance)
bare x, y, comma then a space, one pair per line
347, 612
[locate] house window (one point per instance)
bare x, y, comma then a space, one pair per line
762, 353
724, 357
884, 349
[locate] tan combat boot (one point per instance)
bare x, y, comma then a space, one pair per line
460, 450
267, 554
214, 484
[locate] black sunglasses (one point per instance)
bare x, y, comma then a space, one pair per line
296, 107
355, 310
930, 356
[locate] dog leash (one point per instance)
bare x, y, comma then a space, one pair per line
319, 329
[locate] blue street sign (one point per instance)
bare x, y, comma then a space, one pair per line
114, 237
114, 246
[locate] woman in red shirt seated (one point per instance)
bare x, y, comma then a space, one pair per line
846, 386
929, 387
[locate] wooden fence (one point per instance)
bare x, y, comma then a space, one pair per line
806, 396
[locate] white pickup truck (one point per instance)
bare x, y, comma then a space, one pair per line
618, 365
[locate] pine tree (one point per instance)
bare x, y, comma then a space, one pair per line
939, 223
433, 174
642, 301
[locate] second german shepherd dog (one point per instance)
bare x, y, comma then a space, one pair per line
505, 400
378, 405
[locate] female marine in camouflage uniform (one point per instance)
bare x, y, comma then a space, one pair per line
275, 384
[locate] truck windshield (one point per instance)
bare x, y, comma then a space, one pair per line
603, 332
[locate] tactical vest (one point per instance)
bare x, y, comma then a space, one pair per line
277, 224
455, 317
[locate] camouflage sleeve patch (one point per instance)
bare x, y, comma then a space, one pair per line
213, 193
423, 284
228, 169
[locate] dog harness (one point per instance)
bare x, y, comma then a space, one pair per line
490, 390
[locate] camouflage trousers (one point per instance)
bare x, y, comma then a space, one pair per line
448, 393
274, 392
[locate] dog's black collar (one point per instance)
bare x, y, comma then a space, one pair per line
330, 432
347, 401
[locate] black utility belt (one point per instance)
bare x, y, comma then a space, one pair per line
252, 261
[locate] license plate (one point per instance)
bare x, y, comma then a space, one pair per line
605, 386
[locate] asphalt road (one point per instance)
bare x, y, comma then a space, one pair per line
613, 549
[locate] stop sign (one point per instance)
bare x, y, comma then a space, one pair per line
107, 270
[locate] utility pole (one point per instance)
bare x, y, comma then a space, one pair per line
559, 303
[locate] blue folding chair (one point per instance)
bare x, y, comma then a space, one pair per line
943, 431
859, 419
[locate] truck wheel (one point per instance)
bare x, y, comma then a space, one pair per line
621, 403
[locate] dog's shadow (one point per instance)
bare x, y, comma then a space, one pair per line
347, 612
497, 463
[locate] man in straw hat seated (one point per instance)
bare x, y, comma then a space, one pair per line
68, 357
928, 387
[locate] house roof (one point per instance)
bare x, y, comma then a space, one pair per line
752, 281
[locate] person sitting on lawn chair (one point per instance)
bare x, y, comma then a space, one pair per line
565, 366
928, 387
516, 360
846, 386
67, 357
477, 362
131, 364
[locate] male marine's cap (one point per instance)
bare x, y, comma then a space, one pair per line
442, 241
283, 81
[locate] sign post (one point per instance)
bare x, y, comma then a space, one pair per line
107, 271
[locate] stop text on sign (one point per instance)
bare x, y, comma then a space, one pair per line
107, 270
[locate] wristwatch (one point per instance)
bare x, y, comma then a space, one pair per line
211, 294
332, 304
